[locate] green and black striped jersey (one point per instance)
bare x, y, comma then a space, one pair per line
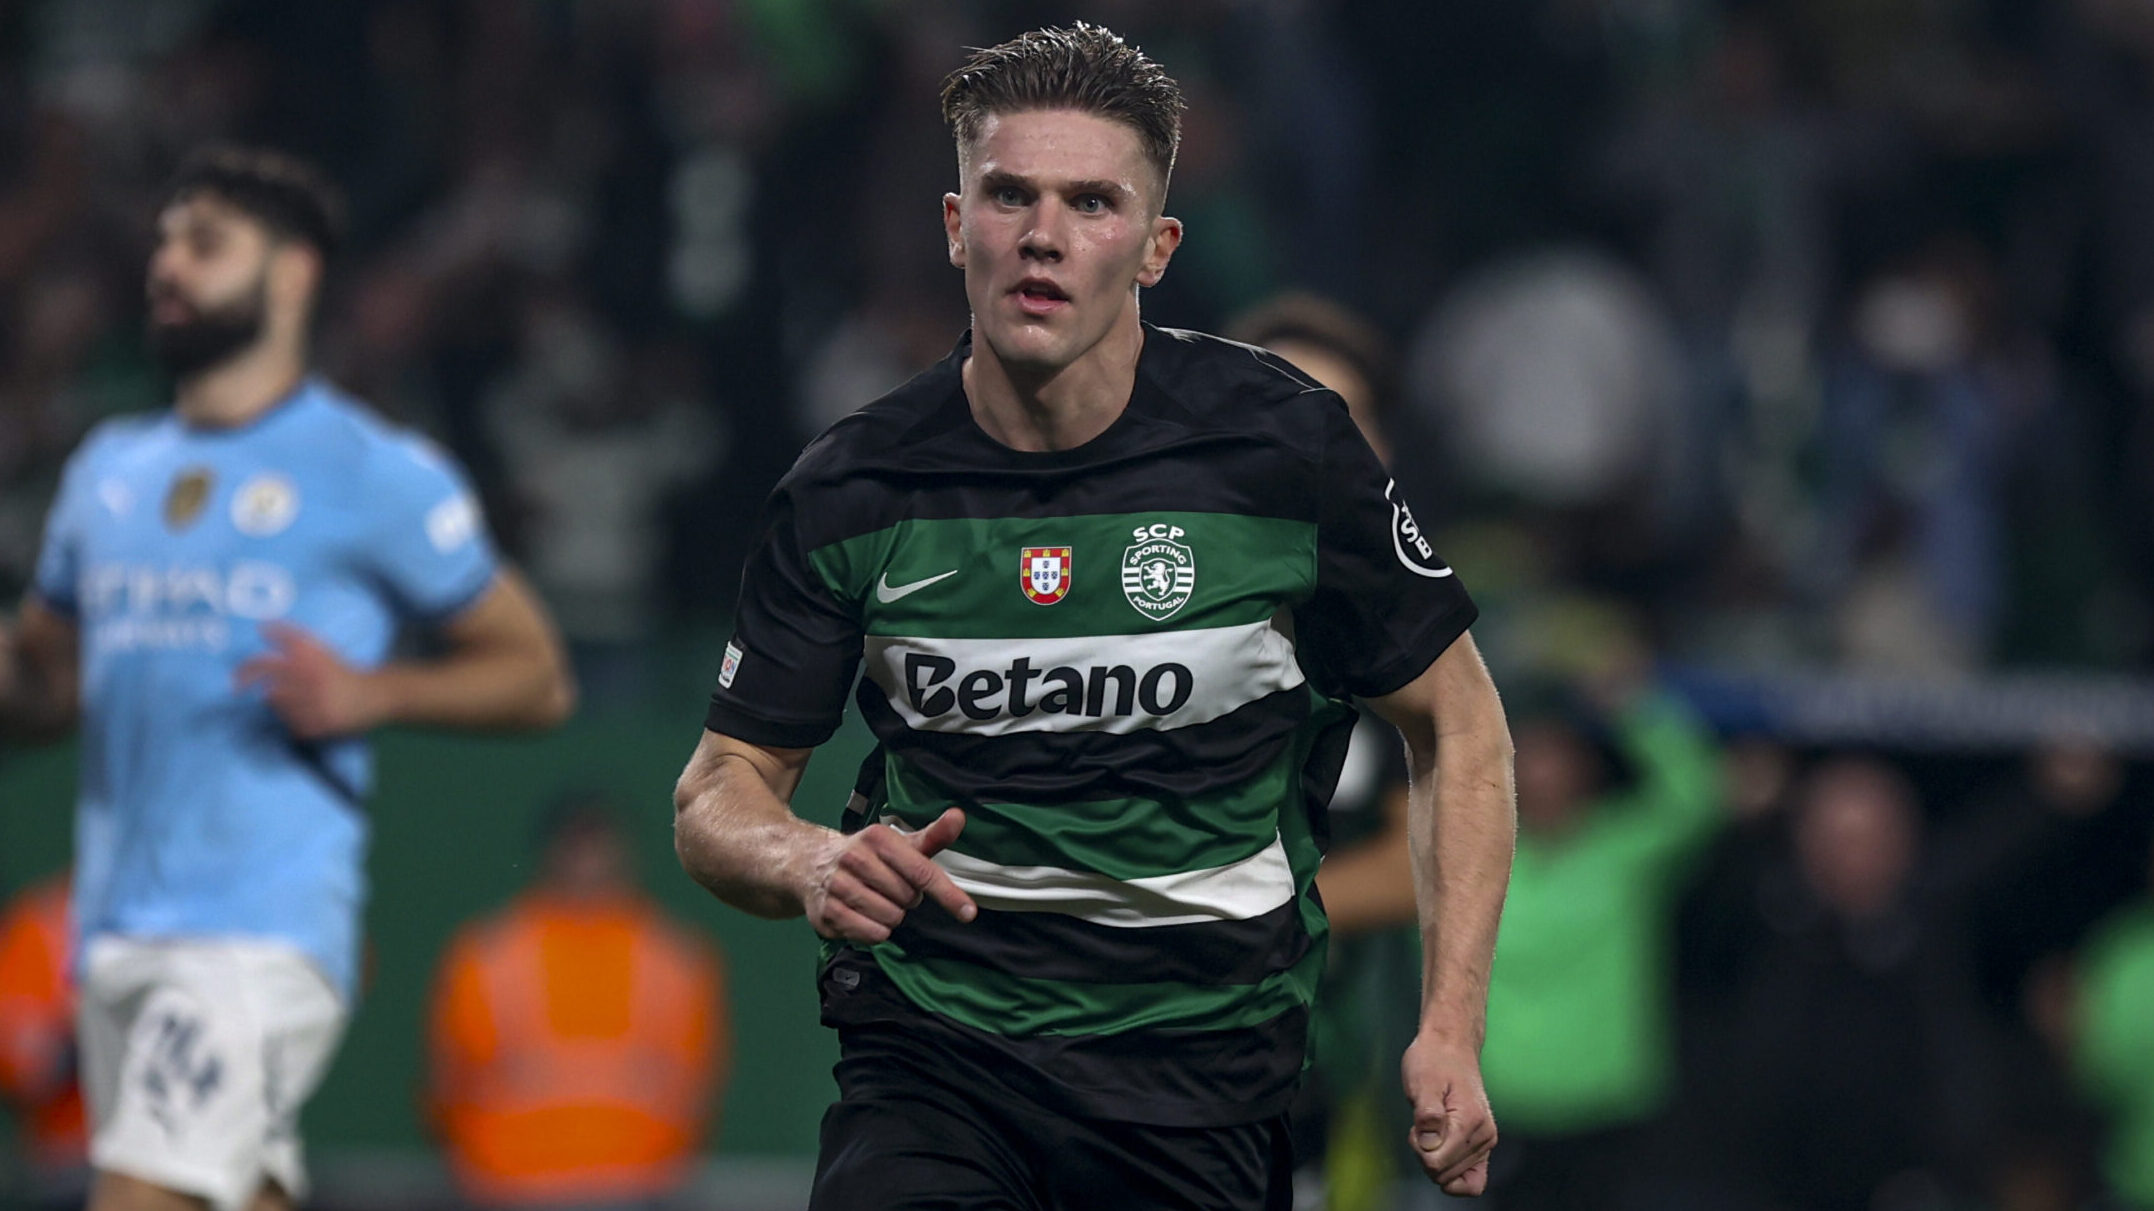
1131, 664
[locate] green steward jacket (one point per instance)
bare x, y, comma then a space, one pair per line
1579, 1030
2115, 1059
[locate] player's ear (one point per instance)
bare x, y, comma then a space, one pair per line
951, 228
1159, 249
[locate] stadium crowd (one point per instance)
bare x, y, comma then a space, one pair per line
1757, 334
1820, 332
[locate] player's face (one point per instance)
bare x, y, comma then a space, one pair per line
1056, 225
208, 284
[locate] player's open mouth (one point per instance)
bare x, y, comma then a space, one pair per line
1038, 296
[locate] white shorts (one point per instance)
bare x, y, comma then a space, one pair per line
196, 1056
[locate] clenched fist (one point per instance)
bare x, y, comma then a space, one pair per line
1454, 1130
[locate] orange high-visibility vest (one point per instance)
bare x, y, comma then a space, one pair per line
37, 1028
576, 1051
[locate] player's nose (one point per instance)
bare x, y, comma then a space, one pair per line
1040, 242
163, 276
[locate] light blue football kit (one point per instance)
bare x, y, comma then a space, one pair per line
170, 546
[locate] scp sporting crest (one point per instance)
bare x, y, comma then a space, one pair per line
1159, 572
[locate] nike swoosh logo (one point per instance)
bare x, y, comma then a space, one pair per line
886, 592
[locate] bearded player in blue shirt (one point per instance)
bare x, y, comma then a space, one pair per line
216, 600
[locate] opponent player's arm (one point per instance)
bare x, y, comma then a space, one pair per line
40, 673
1463, 827
503, 668
737, 836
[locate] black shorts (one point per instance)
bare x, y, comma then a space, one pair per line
905, 1136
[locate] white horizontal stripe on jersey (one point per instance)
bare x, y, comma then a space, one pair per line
1105, 683
1237, 891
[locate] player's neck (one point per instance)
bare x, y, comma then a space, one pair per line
1060, 410
236, 391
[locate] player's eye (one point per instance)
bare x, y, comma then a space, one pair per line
1008, 195
1092, 203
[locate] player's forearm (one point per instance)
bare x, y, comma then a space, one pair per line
510, 688
736, 837
1463, 831
1371, 885
40, 688
32, 712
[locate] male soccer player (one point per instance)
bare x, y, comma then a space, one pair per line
1113, 586
216, 599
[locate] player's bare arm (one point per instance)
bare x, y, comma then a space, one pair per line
1463, 829
1371, 885
503, 669
737, 836
40, 675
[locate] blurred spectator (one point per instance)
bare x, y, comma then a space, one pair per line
898, 331
1925, 412
2067, 833
579, 1039
1718, 921
1733, 182
1689, 434
1308, 133
1613, 805
1731, 187
1556, 372
2114, 1042
37, 1047
595, 440
2043, 857
1231, 265
1334, 346
2008, 882
1859, 1071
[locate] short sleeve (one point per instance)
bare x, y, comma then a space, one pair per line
795, 646
1386, 605
59, 553
430, 545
